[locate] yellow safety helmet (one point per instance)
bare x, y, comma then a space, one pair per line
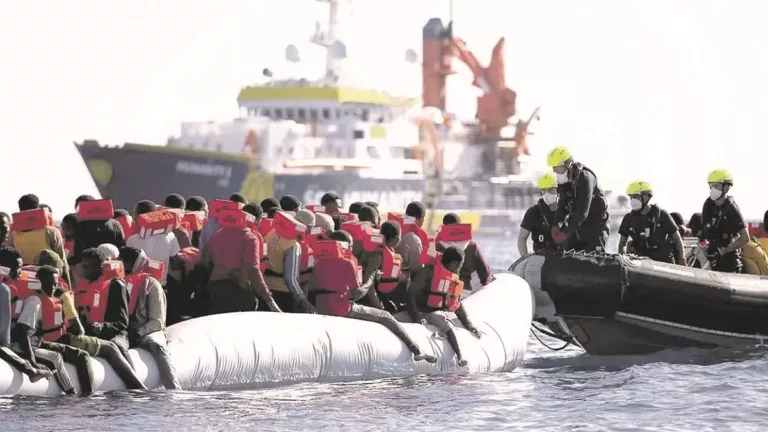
558, 156
638, 187
720, 176
548, 181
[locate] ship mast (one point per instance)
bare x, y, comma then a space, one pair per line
327, 38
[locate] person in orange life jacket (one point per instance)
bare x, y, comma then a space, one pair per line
654, 234
284, 252
5, 228
41, 320
234, 259
176, 201
539, 219
429, 304
124, 218
159, 247
194, 204
34, 370
582, 214
333, 206
368, 214
325, 222
355, 207
390, 290
336, 284
30, 242
724, 227
108, 321
92, 233
474, 261
213, 224
146, 328
375, 206
307, 218
411, 246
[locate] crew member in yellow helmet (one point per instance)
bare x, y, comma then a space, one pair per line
582, 213
540, 218
724, 227
653, 232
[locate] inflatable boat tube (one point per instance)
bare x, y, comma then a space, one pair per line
256, 349
622, 304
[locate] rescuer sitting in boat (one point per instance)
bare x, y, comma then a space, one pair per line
582, 215
436, 290
455, 233
10, 260
379, 255
337, 285
95, 226
234, 258
284, 252
34, 231
723, 228
101, 298
146, 307
539, 219
653, 232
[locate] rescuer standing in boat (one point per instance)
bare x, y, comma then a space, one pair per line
653, 232
723, 225
540, 218
582, 213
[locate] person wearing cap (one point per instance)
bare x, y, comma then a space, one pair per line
653, 232
435, 290
474, 261
582, 213
724, 228
540, 218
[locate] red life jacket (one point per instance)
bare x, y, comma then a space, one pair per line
391, 264
27, 285
454, 233
265, 225
193, 221
126, 223
446, 288
218, 205
52, 325
32, 220
134, 282
154, 268
408, 224
333, 298
95, 210
32, 271
287, 226
346, 217
91, 297
158, 222
358, 230
238, 219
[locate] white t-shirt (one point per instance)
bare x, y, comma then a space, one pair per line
159, 247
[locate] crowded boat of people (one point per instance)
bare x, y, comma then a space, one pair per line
106, 280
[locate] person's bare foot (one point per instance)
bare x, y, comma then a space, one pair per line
38, 374
426, 357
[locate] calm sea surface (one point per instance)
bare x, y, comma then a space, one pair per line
689, 390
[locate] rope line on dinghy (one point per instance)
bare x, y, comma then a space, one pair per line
568, 341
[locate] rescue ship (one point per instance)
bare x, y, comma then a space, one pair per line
305, 137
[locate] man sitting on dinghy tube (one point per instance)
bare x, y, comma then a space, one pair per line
582, 215
724, 228
455, 233
337, 284
435, 290
653, 232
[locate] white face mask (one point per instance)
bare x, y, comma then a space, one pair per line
636, 204
550, 198
562, 178
715, 194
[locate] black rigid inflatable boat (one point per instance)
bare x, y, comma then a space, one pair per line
625, 305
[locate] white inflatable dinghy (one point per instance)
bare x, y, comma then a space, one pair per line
254, 349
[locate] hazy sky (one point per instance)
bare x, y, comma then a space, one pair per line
661, 90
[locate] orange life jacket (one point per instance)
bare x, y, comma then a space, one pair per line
193, 221
32, 220
134, 282
52, 325
391, 265
91, 297
347, 217
190, 256
95, 210
330, 250
408, 224
358, 230
265, 225
26, 285
446, 233
446, 288
287, 226
157, 223
126, 223
218, 205
154, 268
238, 219
32, 271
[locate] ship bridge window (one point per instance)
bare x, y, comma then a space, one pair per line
278, 113
265, 112
289, 113
338, 113
364, 115
301, 113
313, 114
358, 134
326, 113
